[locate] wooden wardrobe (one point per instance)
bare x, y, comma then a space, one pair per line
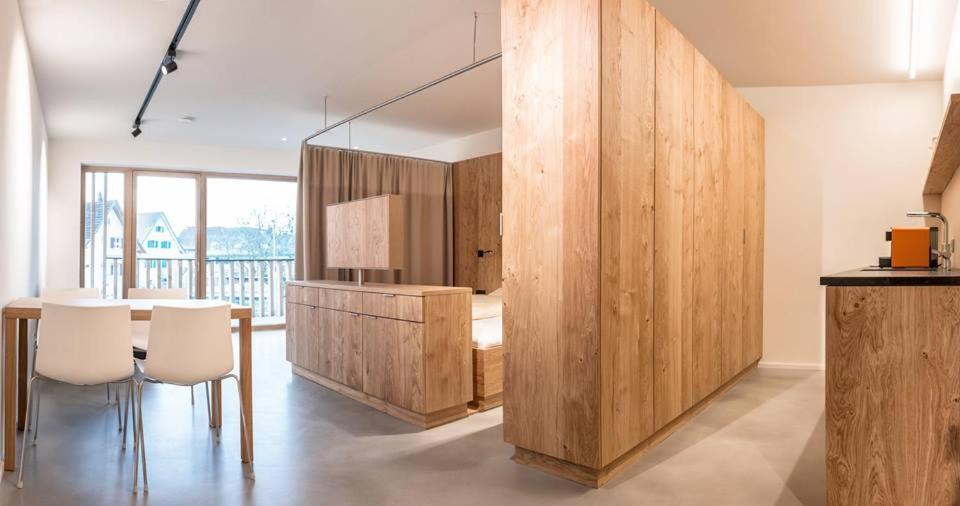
633, 233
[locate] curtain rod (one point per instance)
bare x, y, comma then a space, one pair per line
412, 92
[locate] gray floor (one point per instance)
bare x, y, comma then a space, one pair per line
760, 444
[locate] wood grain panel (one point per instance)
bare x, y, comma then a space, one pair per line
946, 156
753, 248
707, 227
893, 388
626, 225
341, 300
673, 252
388, 305
477, 204
292, 330
732, 234
366, 233
377, 334
404, 358
351, 328
550, 201
448, 364
331, 331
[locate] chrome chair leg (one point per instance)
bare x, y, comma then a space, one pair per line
36, 414
206, 387
126, 413
143, 447
116, 398
136, 437
108, 394
243, 425
191, 395
23, 442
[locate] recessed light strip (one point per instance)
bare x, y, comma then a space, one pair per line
914, 36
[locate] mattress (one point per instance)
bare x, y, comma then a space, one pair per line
488, 332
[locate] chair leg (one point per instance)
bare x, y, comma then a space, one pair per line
23, 441
136, 437
143, 447
243, 425
206, 387
108, 394
116, 398
191, 395
36, 414
126, 413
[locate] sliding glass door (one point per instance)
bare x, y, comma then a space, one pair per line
166, 247
226, 237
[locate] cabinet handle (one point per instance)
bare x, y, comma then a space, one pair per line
371, 317
356, 315
389, 295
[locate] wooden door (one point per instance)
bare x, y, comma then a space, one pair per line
378, 334
351, 327
308, 339
404, 358
330, 343
293, 326
733, 234
753, 248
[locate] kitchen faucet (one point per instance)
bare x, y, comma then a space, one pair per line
946, 247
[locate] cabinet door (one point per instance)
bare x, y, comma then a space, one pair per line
293, 325
404, 358
329, 344
308, 339
378, 333
351, 331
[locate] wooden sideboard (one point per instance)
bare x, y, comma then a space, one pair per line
402, 349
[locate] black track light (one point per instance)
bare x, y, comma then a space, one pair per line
136, 131
169, 67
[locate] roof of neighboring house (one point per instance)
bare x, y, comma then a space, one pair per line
97, 208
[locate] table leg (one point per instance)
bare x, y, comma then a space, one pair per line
9, 393
22, 374
246, 379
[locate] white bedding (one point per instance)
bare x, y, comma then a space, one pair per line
488, 332
487, 320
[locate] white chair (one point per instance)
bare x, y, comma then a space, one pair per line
83, 344
62, 295
188, 346
141, 330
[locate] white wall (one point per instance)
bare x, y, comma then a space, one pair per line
843, 164
951, 71
68, 156
464, 148
22, 163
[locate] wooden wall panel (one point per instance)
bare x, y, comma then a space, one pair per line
753, 248
707, 226
893, 366
732, 234
366, 233
477, 204
626, 225
551, 238
673, 258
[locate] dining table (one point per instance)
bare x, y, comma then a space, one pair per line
14, 357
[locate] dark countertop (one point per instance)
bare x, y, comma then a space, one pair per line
892, 277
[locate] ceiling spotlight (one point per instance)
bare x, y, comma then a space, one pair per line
169, 67
136, 131
914, 37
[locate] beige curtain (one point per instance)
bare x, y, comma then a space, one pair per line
329, 175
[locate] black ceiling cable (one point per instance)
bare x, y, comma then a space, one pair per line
167, 65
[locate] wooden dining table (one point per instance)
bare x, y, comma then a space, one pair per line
18, 313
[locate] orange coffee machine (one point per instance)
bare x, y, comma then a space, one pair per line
912, 247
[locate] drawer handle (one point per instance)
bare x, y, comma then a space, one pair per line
357, 315
389, 295
371, 317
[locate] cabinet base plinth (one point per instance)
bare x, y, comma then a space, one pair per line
426, 421
596, 478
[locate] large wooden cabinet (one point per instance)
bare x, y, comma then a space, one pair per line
633, 233
399, 348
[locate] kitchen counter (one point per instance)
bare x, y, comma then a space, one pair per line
873, 276
893, 387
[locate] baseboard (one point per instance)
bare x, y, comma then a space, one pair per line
791, 365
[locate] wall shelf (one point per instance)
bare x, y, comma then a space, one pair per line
946, 156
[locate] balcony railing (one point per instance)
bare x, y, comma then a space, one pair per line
257, 282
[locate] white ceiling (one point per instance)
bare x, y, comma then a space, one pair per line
255, 71
814, 42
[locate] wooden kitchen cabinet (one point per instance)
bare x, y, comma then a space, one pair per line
403, 349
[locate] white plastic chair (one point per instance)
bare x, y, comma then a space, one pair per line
141, 330
83, 344
63, 295
189, 346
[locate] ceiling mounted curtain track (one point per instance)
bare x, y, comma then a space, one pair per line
431, 84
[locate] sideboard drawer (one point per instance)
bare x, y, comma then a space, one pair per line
341, 300
398, 307
293, 293
309, 296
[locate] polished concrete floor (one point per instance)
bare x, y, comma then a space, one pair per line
760, 444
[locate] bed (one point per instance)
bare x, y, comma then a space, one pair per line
487, 351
